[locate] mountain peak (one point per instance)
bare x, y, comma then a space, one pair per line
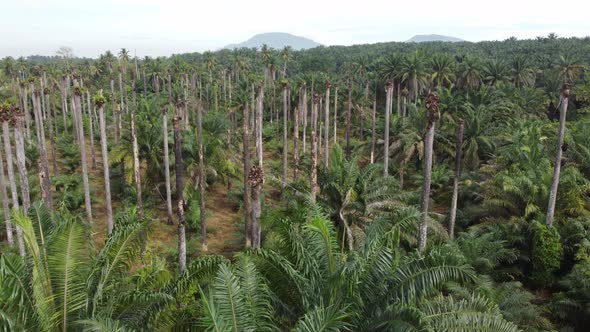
432, 38
277, 40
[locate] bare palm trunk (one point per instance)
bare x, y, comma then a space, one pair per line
313, 179
565, 92
335, 115
91, 128
373, 138
27, 114
43, 162
458, 153
348, 116
247, 198
167, 165
136, 171
296, 143
105, 166
5, 203
179, 195
388, 93
80, 125
202, 213
285, 147
51, 134
432, 106
64, 103
256, 176
327, 126
304, 103
12, 180
21, 163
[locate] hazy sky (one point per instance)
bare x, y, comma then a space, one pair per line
163, 27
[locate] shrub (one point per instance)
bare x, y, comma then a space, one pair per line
547, 253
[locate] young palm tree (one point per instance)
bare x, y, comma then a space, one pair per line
80, 125
458, 154
564, 97
179, 195
433, 115
100, 101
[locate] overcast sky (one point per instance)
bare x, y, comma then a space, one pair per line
163, 27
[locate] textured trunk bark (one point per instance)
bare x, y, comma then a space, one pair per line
179, 195
136, 171
296, 142
388, 93
5, 206
247, 193
167, 165
12, 180
560, 136
327, 127
26, 110
21, 163
458, 154
121, 94
257, 187
432, 106
91, 128
114, 110
285, 146
373, 138
43, 162
105, 166
348, 116
304, 103
51, 134
201, 178
313, 177
80, 125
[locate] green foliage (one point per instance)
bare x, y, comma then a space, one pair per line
546, 254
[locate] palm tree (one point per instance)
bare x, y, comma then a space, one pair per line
565, 93
77, 111
388, 96
286, 55
413, 72
201, 178
313, 174
100, 101
433, 115
5, 203
136, 165
521, 73
470, 76
569, 68
164, 111
246, 162
256, 174
179, 195
442, 68
494, 72
458, 153
327, 125
286, 89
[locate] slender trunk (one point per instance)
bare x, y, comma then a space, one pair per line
51, 135
91, 128
105, 166
432, 106
5, 203
43, 162
296, 143
335, 114
121, 97
27, 114
285, 148
388, 93
348, 116
247, 198
64, 104
373, 129
258, 173
78, 112
179, 195
304, 103
327, 127
19, 143
167, 165
114, 110
201, 178
458, 153
12, 180
313, 178
560, 136
136, 171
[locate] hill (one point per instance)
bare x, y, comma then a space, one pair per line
431, 38
277, 40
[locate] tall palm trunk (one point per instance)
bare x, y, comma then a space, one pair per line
304, 103
91, 128
256, 176
80, 125
373, 138
335, 114
105, 166
296, 141
327, 126
64, 103
458, 154
51, 133
565, 93
313, 175
136, 170
201, 178
45, 181
247, 193
12, 179
285, 147
19, 143
5, 205
348, 116
388, 93
179, 195
26, 110
167, 165
433, 115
